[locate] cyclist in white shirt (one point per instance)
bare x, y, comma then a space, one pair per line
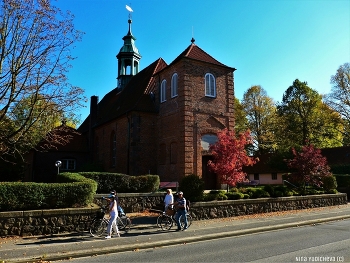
113, 212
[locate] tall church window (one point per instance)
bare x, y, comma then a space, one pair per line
210, 85
163, 91
207, 140
174, 85
113, 149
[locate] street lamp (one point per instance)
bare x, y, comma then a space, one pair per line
58, 164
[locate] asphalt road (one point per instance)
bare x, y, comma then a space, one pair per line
326, 242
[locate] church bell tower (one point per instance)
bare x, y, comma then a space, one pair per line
128, 59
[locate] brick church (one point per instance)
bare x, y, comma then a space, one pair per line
159, 120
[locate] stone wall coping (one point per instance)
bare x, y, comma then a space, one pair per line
264, 200
132, 194
12, 214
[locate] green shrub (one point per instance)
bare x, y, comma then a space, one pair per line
245, 196
234, 195
123, 183
270, 189
332, 191
73, 191
234, 189
278, 193
193, 187
260, 193
209, 197
329, 182
289, 193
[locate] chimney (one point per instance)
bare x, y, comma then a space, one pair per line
93, 110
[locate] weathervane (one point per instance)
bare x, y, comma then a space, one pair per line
130, 10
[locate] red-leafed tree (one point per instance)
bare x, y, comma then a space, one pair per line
229, 157
309, 166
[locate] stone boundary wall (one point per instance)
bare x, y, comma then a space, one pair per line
221, 209
58, 221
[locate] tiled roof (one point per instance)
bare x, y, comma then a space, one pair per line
134, 97
77, 141
335, 156
262, 166
196, 53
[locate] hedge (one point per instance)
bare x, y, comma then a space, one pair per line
123, 183
72, 190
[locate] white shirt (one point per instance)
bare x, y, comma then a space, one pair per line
169, 199
113, 208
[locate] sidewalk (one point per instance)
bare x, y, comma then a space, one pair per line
145, 234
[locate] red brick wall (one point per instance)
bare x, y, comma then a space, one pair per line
180, 124
185, 118
140, 144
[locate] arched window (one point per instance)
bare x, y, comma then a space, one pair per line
113, 149
163, 91
174, 85
207, 140
210, 85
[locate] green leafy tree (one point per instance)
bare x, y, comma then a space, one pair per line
304, 118
229, 157
241, 122
261, 114
339, 97
35, 43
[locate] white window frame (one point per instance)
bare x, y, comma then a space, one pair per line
274, 176
210, 85
163, 91
174, 85
68, 164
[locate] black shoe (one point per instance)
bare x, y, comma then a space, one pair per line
179, 229
185, 229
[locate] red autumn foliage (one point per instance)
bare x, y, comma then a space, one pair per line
309, 165
229, 157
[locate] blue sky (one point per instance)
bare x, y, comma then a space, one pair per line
270, 43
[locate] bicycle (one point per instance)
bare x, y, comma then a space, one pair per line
166, 221
99, 223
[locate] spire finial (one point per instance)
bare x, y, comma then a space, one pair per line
192, 40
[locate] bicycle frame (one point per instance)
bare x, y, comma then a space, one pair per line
100, 222
166, 221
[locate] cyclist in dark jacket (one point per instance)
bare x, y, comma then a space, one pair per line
181, 211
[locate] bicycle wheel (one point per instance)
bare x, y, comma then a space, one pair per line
182, 221
98, 227
159, 219
166, 222
124, 223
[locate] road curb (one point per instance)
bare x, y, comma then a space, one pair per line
167, 242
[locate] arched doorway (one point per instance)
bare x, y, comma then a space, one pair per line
209, 178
